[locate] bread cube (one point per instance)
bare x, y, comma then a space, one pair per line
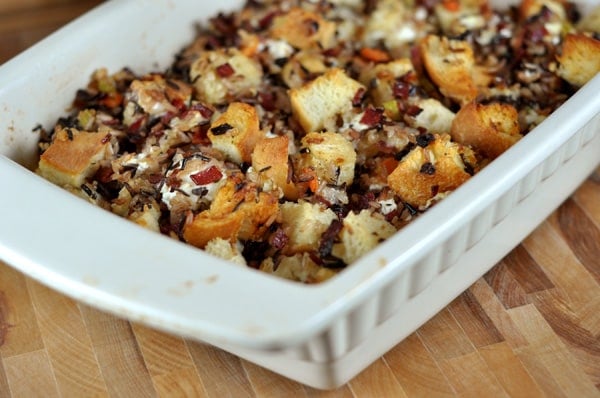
74, 156
392, 23
426, 172
317, 104
239, 211
226, 250
529, 8
304, 223
579, 61
434, 116
303, 29
299, 267
147, 217
381, 79
360, 234
270, 159
236, 132
467, 16
450, 65
590, 22
223, 74
331, 156
489, 129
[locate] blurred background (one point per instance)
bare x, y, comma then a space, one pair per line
25, 22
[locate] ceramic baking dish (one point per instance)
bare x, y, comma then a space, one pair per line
320, 335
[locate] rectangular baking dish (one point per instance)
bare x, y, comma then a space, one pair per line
319, 335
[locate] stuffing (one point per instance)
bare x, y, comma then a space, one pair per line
529, 8
304, 223
489, 129
393, 23
580, 59
239, 211
330, 155
381, 79
299, 267
236, 132
317, 104
360, 234
461, 16
450, 65
430, 170
270, 159
222, 75
303, 29
303, 67
226, 250
590, 22
155, 97
147, 217
74, 156
295, 136
434, 116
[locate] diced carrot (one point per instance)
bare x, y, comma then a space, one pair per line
451, 5
313, 185
112, 100
374, 54
389, 164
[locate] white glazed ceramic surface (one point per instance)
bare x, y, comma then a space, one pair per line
319, 335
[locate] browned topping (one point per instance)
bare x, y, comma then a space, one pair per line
283, 122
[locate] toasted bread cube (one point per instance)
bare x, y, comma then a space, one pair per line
156, 97
590, 22
450, 65
381, 79
489, 129
236, 132
529, 8
226, 250
302, 67
392, 23
74, 156
239, 211
299, 267
304, 223
426, 172
271, 160
580, 59
331, 155
360, 234
223, 74
303, 29
317, 104
434, 116
468, 15
205, 227
147, 217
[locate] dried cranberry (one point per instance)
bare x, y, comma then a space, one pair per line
427, 168
372, 117
207, 176
358, 97
225, 70
424, 139
329, 237
221, 129
279, 239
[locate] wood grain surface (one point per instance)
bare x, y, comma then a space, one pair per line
529, 328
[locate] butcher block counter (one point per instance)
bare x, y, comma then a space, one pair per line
530, 327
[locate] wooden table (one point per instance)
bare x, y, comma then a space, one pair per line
530, 327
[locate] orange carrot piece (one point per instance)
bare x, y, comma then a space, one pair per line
374, 54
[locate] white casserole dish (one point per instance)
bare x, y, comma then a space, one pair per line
320, 335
